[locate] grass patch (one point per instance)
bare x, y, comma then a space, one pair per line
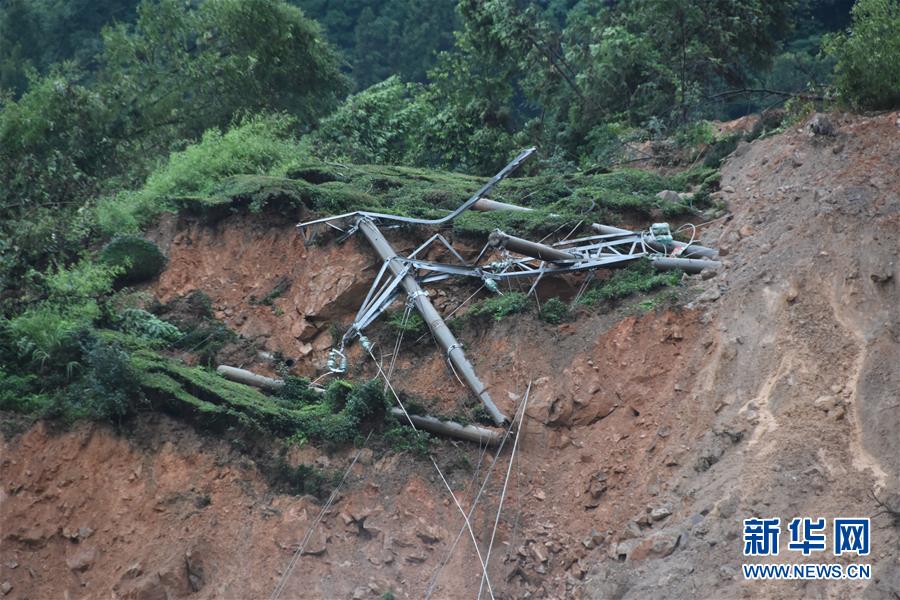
212, 402
636, 278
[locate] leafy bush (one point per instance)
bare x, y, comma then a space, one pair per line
403, 438
138, 322
257, 145
18, 393
110, 391
46, 335
377, 125
867, 73
555, 311
139, 259
500, 306
694, 134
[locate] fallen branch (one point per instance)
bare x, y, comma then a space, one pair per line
729, 93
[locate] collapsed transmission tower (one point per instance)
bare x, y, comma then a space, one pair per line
609, 247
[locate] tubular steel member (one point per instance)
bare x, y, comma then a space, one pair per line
470, 433
688, 265
249, 378
486, 205
435, 323
529, 248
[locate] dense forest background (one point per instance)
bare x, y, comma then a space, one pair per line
114, 111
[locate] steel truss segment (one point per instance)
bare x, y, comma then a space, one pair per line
438, 237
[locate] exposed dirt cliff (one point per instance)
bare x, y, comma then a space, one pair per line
772, 389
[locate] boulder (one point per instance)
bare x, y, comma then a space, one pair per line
821, 125
668, 196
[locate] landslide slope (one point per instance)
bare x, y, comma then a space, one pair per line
769, 390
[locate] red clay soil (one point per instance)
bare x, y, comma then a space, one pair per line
648, 436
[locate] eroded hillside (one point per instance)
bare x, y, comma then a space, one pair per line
653, 427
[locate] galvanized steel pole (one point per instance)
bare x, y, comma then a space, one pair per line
529, 248
439, 329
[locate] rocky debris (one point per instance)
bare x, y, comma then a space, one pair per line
429, 534
317, 544
821, 125
134, 571
360, 592
825, 403
11, 564
660, 512
593, 540
595, 488
742, 148
710, 295
831, 405
150, 587
715, 443
194, 567
5, 587
659, 545
668, 196
81, 558
624, 548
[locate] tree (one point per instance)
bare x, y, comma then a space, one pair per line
183, 70
868, 56
178, 71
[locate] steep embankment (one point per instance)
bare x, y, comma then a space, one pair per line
649, 435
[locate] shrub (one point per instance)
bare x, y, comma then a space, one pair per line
140, 323
867, 73
413, 323
46, 335
377, 125
500, 306
257, 145
403, 438
17, 393
555, 311
84, 280
110, 389
139, 259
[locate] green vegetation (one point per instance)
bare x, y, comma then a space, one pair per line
555, 311
412, 324
640, 277
499, 307
868, 56
212, 402
137, 260
403, 438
